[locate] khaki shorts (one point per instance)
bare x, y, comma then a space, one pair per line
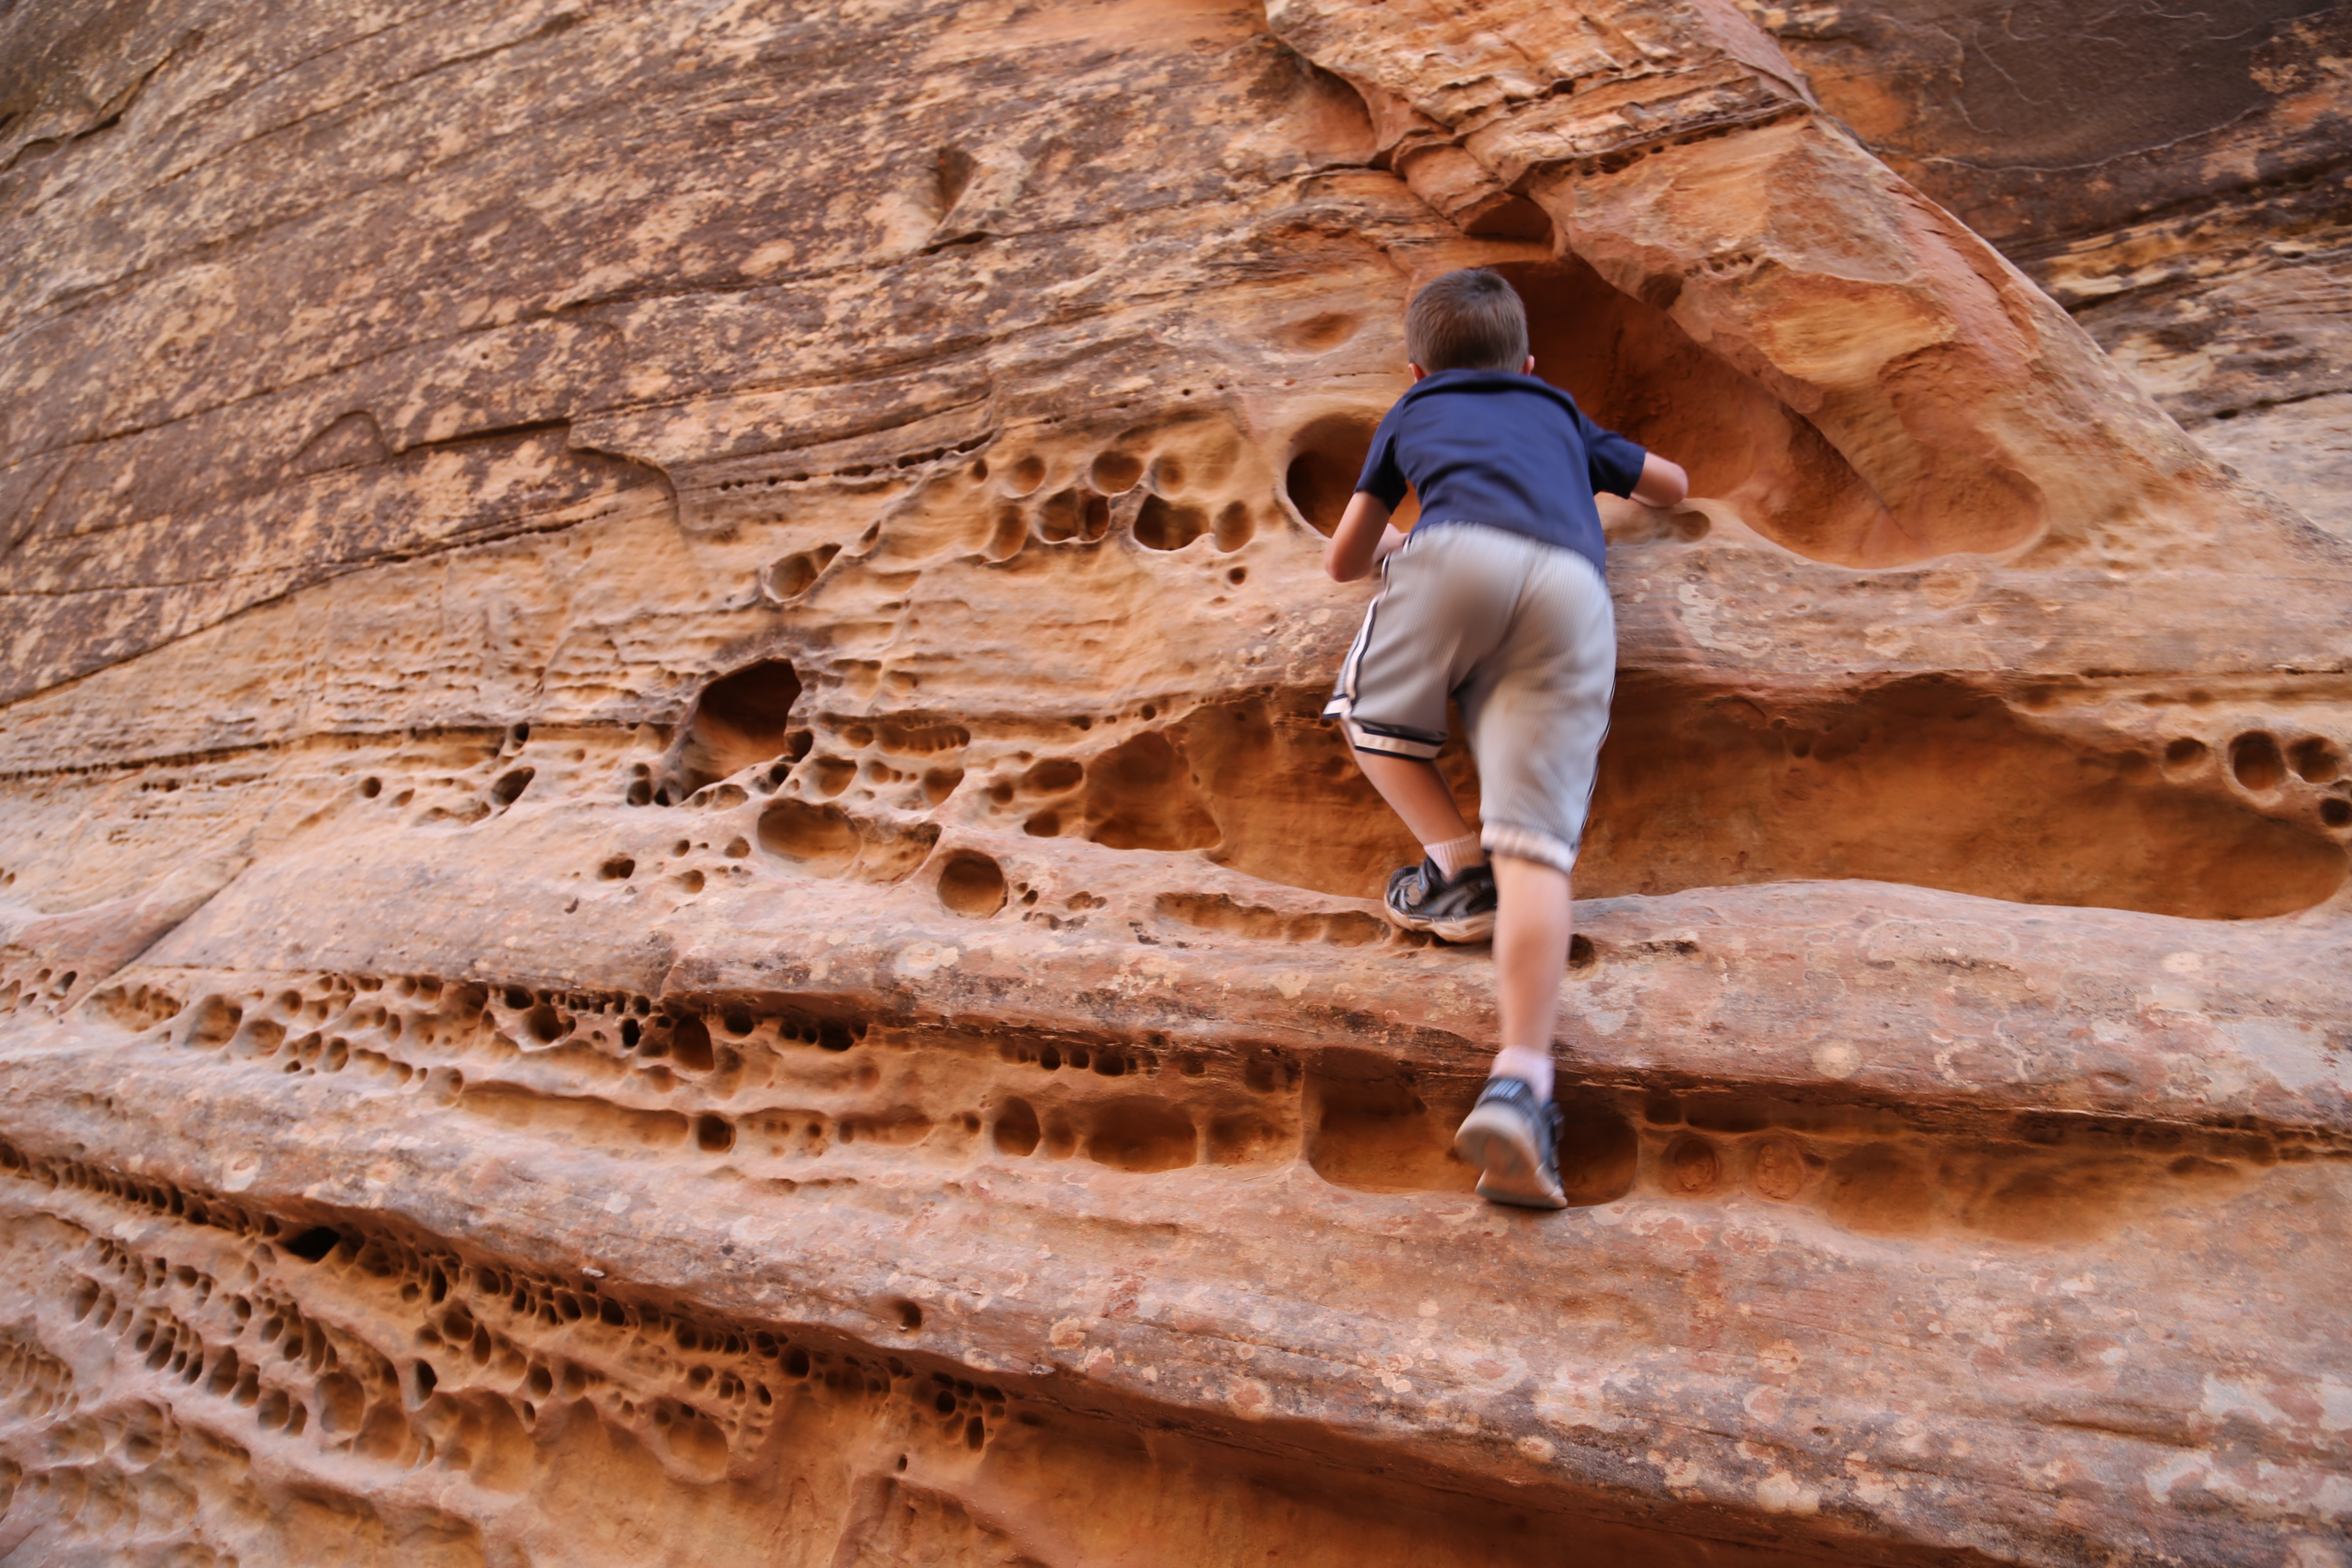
1522, 633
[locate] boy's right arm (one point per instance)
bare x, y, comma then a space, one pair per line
1363, 539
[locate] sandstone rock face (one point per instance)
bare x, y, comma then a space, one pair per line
2176, 178
669, 890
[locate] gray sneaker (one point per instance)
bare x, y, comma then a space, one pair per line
1461, 909
1515, 1140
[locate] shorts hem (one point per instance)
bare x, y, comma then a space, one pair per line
1381, 739
1526, 844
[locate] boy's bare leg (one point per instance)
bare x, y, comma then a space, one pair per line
1416, 792
1512, 1134
1532, 924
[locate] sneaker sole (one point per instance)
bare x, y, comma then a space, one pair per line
1498, 1147
1469, 928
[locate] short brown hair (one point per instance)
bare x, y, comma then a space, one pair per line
1470, 319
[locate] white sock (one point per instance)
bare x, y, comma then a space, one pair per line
1457, 856
1529, 1065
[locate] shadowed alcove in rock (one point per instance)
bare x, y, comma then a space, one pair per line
1631, 367
1926, 781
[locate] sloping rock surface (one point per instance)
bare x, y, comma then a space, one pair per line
670, 891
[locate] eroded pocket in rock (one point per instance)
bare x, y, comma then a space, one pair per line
824, 840
971, 885
1373, 1128
739, 721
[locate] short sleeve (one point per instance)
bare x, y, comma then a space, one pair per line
1613, 462
1381, 478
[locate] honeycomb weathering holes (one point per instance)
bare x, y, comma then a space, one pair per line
739, 721
972, 884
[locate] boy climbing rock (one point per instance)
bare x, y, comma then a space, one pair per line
1496, 600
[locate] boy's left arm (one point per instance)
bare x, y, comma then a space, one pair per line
1362, 540
1662, 483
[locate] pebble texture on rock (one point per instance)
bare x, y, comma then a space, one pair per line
670, 891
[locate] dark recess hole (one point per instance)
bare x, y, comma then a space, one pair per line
713, 1134
1163, 524
424, 1381
1016, 1133
690, 1043
314, 1244
820, 838
1326, 456
909, 1315
1057, 776
2335, 813
2254, 758
740, 719
510, 785
971, 885
1115, 473
2315, 761
832, 1037
789, 578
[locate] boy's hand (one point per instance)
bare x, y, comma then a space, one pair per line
1363, 539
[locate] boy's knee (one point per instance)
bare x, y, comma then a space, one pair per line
1538, 878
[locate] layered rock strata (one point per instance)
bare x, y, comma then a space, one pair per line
672, 891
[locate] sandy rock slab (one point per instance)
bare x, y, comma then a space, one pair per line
671, 889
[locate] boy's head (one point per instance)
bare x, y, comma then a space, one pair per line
1470, 319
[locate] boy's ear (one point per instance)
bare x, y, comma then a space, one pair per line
1417, 372
1529, 368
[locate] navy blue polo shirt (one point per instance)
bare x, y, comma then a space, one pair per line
1510, 451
